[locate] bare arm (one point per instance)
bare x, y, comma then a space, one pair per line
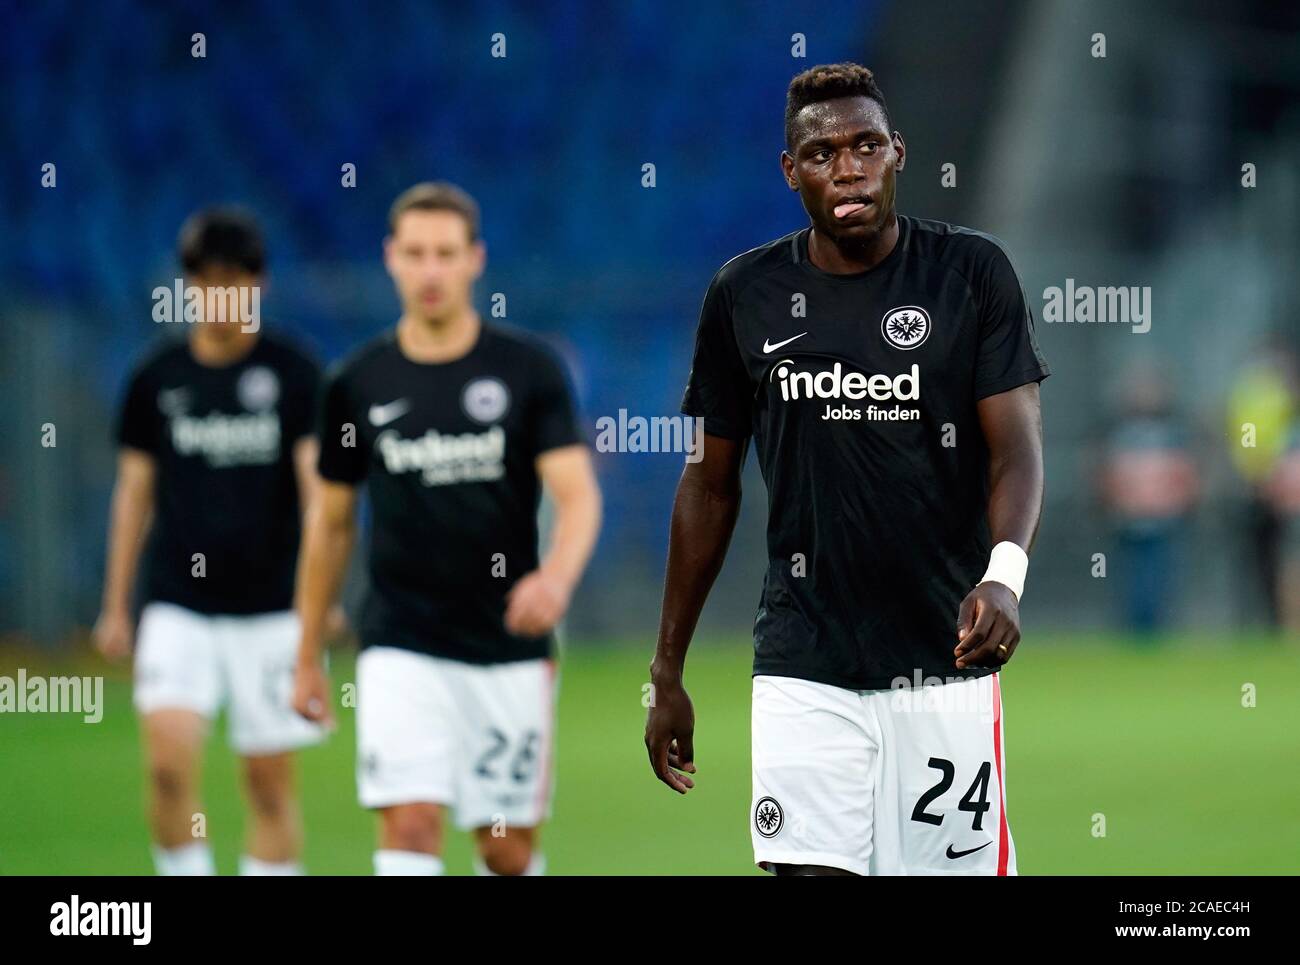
322, 564
704, 516
130, 518
1013, 430
305, 452
990, 615
540, 599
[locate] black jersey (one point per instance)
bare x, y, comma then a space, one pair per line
859, 391
448, 451
226, 521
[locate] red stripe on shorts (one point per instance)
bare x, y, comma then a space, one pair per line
997, 756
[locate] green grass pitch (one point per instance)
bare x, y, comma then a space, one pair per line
1155, 739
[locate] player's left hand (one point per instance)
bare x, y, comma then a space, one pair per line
988, 626
311, 692
535, 604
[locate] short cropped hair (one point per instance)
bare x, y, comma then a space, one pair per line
436, 196
827, 82
227, 236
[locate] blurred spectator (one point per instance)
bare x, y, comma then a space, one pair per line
1283, 493
1261, 418
1149, 484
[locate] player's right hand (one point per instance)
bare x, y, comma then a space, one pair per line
311, 693
113, 633
670, 734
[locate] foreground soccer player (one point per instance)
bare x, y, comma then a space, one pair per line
887, 371
216, 450
455, 424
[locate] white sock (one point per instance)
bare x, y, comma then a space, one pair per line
256, 867
188, 859
407, 863
536, 867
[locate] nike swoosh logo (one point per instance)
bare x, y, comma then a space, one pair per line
769, 348
381, 415
961, 854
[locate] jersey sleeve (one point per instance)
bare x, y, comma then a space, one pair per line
297, 413
1008, 353
343, 453
554, 415
139, 423
718, 389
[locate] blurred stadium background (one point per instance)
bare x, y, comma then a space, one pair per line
1124, 170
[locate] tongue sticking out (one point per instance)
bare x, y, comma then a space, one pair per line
844, 210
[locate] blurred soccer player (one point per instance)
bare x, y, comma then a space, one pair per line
455, 424
216, 460
887, 372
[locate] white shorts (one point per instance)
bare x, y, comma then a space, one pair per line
476, 737
880, 782
194, 661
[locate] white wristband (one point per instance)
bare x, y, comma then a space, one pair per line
1008, 564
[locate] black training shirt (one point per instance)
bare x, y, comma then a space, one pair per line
859, 392
222, 440
448, 451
